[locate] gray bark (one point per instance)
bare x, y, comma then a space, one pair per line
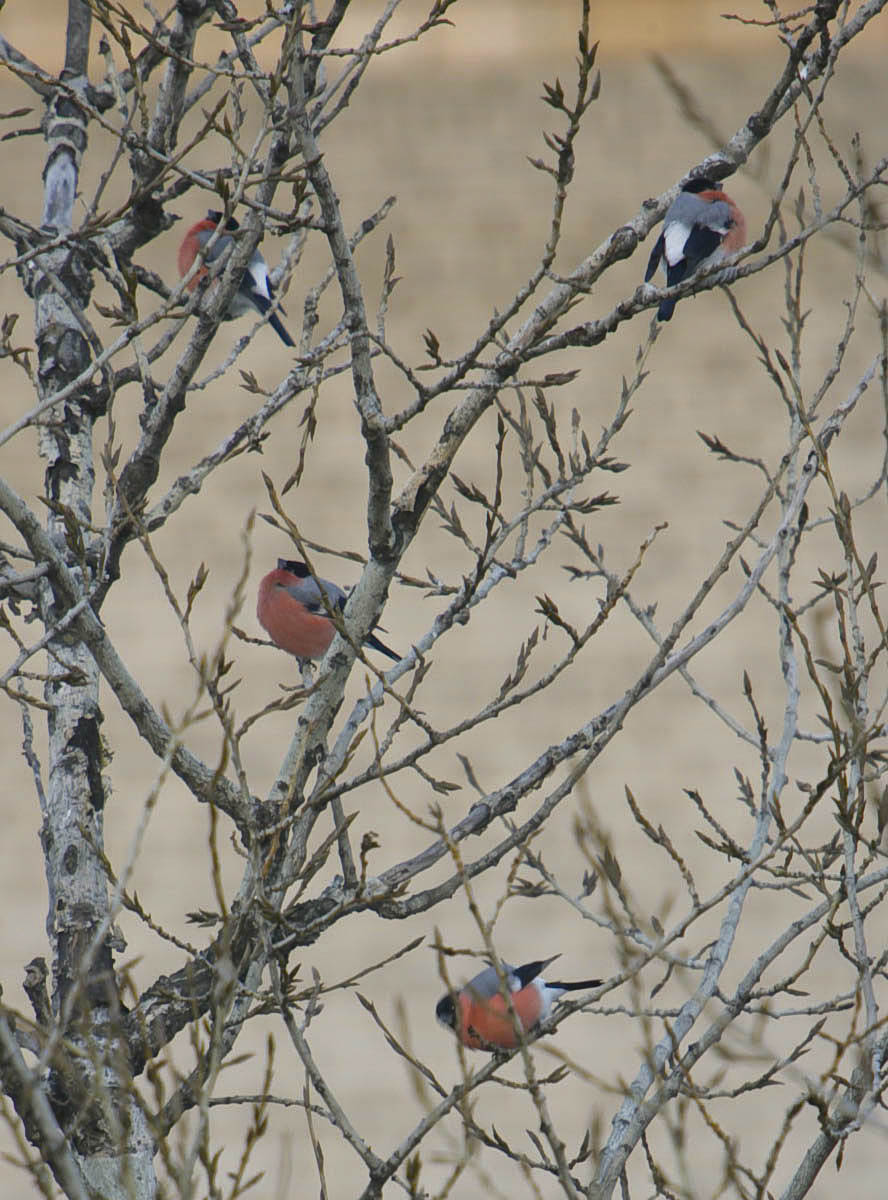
111, 1144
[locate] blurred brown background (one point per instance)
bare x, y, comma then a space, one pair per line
447, 126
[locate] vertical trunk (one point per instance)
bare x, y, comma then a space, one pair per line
89, 1092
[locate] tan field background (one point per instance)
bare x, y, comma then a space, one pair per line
447, 127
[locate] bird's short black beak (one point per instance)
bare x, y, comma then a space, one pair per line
445, 1011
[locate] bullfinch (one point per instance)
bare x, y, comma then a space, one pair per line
478, 1014
291, 610
702, 226
254, 293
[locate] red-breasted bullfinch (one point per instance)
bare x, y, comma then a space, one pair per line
254, 293
478, 1014
292, 612
702, 226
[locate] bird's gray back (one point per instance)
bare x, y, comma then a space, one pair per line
486, 983
688, 209
221, 245
308, 592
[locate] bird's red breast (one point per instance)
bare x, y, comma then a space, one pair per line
288, 623
189, 248
485, 1021
735, 238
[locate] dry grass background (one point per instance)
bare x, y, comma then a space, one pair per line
447, 127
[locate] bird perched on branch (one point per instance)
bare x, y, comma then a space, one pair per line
478, 1013
702, 226
292, 611
254, 293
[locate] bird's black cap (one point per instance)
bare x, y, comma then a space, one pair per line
445, 1011
295, 568
215, 216
702, 184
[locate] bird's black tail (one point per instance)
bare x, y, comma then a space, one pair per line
578, 986
275, 322
674, 274
264, 306
373, 641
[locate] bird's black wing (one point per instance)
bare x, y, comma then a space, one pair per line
656, 255
524, 974
702, 241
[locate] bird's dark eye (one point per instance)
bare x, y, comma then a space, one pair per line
445, 1011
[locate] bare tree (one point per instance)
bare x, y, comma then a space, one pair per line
97, 1094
